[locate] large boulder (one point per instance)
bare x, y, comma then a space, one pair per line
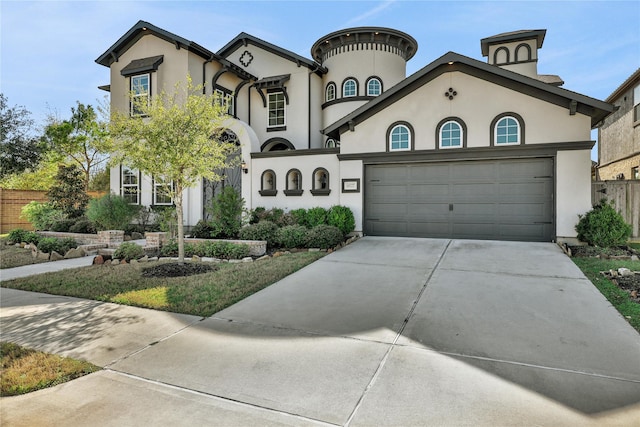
55, 256
75, 253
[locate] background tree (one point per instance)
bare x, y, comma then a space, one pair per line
83, 139
177, 138
68, 193
20, 150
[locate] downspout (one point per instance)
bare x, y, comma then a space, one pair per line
309, 105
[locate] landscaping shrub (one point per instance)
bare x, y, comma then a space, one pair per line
83, 225
316, 216
32, 237
603, 226
17, 235
255, 214
299, 216
50, 244
264, 230
213, 249
202, 230
292, 236
170, 248
167, 219
63, 225
41, 215
275, 215
324, 237
226, 211
111, 212
128, 251
341, 217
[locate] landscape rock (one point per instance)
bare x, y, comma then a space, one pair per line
634, 294
43, 255
34, 252
75, 253
124, 261
277, 254
155, 258
634, 258
314, 249
136, 236
247, 259
17, 245
115, 261
234, 261
196, 258
625, 272
55, 256
133, 261
98, 260
144, 259
263, 257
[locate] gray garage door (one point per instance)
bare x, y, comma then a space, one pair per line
493, 199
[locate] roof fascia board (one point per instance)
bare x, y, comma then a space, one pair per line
625, 86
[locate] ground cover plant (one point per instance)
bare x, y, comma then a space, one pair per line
201, 295
25, 370
11, 256
619, 298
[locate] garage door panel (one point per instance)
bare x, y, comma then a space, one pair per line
508, 199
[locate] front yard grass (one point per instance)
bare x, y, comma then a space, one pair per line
200, 295
620, 299
11, 256
25, 370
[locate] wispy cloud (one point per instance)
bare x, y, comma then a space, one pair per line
371, 12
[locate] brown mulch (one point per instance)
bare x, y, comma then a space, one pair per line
176, 269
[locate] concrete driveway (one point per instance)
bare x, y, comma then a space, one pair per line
387, 331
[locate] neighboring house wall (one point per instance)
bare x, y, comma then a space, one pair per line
619, 134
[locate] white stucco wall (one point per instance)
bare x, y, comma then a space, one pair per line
573, 190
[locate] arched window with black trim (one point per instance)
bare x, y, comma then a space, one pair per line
349, 87
320, 183
451, 133
400, 137
507, 129
331, 143
374, 86
330, 92
523, 53
268, 183
501, 56
293, 183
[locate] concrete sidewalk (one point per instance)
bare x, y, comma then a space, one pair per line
44, 267
386, 331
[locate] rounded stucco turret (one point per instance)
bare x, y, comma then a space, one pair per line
362, 63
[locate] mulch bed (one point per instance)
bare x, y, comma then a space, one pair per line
176, 269
631, 284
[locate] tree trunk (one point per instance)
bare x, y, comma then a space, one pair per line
179, 213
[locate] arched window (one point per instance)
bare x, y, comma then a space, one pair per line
330, 93
451, 133
374, 86
400, 137
320, 185
501, 56
507, 129
277, 144
349, 87
294, 183
331, 143
268, 183
523, 53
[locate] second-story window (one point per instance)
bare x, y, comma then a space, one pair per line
140, 93
349, 88
226, 99
374, 87
277, 113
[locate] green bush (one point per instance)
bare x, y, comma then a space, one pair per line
129, 251
255, 214
170, 248
324, 237
603, 226
63, 225
316, 216
68, 192
111, 212
275, 215
264, 230
17, 235
202, 230
292, 236
341, 217
226, 211
32, 237
83, 225
41, 215
299, 216
167, 219
50, 244
213, 249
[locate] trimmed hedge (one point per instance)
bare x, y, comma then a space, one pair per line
213, 249
50, 244
324, 237
129, 251
264, 230
292, 236
603, 226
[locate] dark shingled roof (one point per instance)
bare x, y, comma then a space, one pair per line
138, 66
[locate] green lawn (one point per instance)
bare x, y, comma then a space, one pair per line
11, 256
201, 295
620, 299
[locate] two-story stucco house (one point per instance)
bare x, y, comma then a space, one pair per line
619, 133
461, 149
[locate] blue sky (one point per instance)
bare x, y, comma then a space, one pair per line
48, 48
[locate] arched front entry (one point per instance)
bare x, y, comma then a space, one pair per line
231, 177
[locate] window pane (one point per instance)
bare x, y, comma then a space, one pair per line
276, 109
507, 131
400, 136
373, 88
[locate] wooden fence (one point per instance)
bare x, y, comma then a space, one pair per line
626, 198
12, 201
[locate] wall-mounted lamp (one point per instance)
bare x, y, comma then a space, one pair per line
244, 167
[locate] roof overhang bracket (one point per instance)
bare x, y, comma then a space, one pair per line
573, 107
352, 125
114, 56
177, 44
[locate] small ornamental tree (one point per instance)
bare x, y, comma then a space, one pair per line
176, 138
68, 193
603, 226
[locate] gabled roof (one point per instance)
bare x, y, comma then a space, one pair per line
142, 28
512, 36
142, 65
243, 39
452, 61
625, 86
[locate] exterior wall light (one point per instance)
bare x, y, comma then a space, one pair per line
244, 167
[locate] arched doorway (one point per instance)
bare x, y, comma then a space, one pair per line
231, 177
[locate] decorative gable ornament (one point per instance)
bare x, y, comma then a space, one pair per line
246, 58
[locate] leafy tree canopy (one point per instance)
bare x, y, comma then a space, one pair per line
20, 150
